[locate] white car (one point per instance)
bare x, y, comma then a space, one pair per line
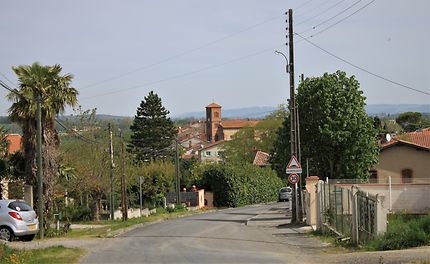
285, 194
17, 219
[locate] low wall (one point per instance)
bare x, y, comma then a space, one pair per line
196, 198
132, 213
407, 198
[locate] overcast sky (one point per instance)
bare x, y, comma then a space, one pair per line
194, 52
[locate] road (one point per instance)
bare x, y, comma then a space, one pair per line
217, 237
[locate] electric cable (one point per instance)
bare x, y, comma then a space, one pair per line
363, 69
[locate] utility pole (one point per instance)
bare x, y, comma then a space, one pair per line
178, 187
124, 203
39, 164
112, 202
293, 123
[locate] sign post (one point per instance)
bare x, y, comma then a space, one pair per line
293, 168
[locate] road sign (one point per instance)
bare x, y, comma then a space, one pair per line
293, 166
293, 178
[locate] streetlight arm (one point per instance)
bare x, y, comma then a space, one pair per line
287, 67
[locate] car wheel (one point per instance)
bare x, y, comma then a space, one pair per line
6, 234
27, 237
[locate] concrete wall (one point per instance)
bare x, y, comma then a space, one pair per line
228, 133
211, 154
394, 159
132, 213
196, 198
311, 200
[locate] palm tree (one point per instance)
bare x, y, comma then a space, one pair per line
56, 94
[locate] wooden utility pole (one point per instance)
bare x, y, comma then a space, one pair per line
178, 181
293, 123
112, 202
124, 200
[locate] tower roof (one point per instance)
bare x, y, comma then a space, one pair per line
213, 105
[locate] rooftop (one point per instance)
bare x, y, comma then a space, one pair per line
419, 139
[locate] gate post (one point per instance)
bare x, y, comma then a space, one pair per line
354, 214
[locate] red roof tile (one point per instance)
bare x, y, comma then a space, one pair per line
14, 143
238, 123
420, 139
213, 105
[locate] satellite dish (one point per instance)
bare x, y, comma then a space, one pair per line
388, 137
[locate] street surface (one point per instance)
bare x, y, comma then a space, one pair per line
241, 235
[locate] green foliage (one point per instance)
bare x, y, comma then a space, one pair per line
281, 152
239, 185
336, 134
403, 232
412, 121
153, 132
76, 213
242, 147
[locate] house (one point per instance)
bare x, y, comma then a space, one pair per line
199, 138
406, 158
218, 129
212, 153
15, 141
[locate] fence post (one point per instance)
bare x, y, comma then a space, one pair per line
320, 202
381, 215
354, 215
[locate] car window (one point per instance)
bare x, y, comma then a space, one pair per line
19, 206
285, 190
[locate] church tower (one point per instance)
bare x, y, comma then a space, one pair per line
213, 120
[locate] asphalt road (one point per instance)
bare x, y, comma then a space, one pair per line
217, 237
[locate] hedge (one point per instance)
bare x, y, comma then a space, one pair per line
239, 185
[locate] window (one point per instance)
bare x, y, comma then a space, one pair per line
208, 153
373, 176
216, 115
407, 175
19, 206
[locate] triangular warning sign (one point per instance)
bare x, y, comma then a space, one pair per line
293, 163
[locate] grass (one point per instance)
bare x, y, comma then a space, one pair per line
404, 231
51, 255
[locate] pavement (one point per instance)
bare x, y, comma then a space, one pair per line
254, 234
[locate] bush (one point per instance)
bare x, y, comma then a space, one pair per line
239, 185
77, 213
403, 232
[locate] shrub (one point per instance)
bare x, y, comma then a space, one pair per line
239, 185
403, 232
77, 213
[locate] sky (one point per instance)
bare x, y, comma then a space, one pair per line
195, 52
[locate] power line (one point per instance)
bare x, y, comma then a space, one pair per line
302, 5
4, 76
182, 75
361, 68
329, 19
80, 136
322, 12
183, 53
343, 19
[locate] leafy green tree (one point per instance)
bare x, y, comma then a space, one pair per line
56, 94
412, 121
4, 143
153, 132
337, 136
281, 151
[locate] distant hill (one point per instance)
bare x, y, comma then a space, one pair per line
260, 112
394, 109
248, 112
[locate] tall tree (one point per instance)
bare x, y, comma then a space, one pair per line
56, 93
153, 132
337, 135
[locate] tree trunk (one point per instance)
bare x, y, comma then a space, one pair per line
95, 206
51, 144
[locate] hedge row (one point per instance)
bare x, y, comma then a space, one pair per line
239, 185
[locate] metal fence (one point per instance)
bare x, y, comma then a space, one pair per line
348, 210
366, 216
